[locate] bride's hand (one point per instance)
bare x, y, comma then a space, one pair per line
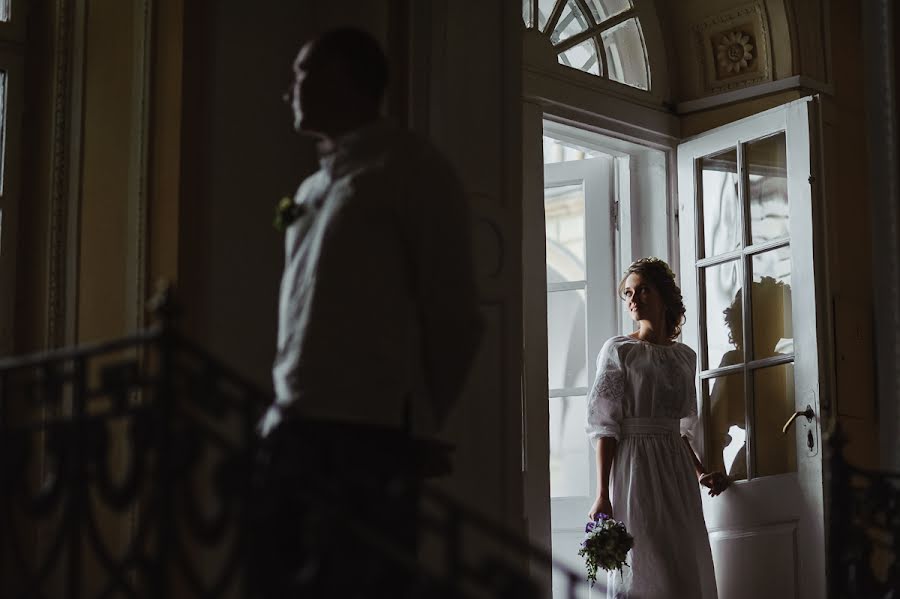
602, 505
716, 482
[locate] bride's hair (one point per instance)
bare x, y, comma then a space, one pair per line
663, 279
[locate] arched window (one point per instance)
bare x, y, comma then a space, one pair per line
600, 37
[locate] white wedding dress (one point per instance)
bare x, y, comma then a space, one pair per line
644, 396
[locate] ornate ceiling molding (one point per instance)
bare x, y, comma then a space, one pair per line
734, 48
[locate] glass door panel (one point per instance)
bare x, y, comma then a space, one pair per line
771, 304
728, 193
564, 222
721, 203
773, 400
767, 188
566, 340
722, 300
727, 425
570, 464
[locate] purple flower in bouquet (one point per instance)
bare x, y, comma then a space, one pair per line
606, 544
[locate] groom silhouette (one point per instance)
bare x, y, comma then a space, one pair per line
378, 324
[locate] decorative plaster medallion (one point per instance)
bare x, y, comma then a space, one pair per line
733, 48
734, 52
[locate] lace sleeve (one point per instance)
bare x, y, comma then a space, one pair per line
604, 414
688, 424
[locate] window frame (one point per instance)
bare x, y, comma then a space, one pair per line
12, 50
14, 29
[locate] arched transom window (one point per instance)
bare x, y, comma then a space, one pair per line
600, 37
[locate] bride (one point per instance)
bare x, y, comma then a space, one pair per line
641, 413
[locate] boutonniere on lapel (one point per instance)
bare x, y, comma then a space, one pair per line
286, 212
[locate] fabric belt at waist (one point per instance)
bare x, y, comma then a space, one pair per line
650, 426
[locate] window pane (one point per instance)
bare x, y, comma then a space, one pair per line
721, 206
724, 335
582, 57
4, 10
771, 303
773, 393
769, 208
564, 220
625, 54
561, 151
545, 7
571, 22
570, 474
604, 9
527, 17
727, 427
566, 346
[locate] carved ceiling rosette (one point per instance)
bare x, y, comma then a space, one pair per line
734, 48
735, 52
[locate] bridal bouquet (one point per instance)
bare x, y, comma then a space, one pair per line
605, 545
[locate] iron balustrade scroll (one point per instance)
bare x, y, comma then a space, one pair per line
864, 529
126, 469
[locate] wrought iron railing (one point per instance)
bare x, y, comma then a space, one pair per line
864, 529
126, 469
123, 467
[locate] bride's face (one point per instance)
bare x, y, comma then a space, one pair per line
642, 299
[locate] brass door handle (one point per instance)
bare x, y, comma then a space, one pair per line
808, 412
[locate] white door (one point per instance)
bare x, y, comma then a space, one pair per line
748, 270
581, 315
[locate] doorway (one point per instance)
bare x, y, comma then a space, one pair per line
603, 199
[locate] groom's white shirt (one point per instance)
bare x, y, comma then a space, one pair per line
377, 304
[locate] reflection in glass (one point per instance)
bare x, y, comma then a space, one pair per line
769, 208
582, 57
604, 9
626, 57
724, 338
545, 7
564, 218
721, 204
566, 343
773, 394
727, 426
571, 22
770, 300
569, 449
4, 10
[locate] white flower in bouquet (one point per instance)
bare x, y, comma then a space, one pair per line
606, 544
